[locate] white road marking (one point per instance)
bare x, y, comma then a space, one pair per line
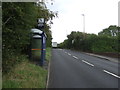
48, 76
75, 57
87, 63
111, 74
69, 54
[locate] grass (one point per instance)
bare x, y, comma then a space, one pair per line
27, 75
48, 54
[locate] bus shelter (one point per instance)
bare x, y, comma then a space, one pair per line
38, 45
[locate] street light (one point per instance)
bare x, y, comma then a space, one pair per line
83, 24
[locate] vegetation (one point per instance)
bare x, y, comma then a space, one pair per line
48, 54
17, 22
106, 41
25, 75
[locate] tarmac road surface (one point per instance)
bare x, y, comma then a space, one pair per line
71, 69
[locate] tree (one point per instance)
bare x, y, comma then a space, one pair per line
106, 41
17, 21
111, 31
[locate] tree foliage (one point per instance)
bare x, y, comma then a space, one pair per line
17, 21
106, 41
111, 31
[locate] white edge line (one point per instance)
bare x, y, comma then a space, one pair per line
87, 63
75, 57
48, 74
111, 74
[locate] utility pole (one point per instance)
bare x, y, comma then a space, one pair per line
119, 13
83, 24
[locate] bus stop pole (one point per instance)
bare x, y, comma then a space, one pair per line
43, 51
42, 59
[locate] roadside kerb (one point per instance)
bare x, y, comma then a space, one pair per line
103, 57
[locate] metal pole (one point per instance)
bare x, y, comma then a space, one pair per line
118, 21
42, 53
83, 24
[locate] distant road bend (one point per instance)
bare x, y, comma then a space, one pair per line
71, 69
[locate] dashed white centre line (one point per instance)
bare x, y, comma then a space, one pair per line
65, 52
75, 57
69, 54
87, 63
111, 73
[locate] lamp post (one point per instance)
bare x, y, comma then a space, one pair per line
83, 24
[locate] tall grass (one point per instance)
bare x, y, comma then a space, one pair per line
26, 75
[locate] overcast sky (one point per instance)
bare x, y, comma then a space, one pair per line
99, 14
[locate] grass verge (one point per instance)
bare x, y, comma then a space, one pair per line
27, 75
48, 54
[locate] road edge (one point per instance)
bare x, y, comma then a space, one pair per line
116, 60
103, 57
47, 82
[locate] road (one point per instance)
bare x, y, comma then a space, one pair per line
72, 69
